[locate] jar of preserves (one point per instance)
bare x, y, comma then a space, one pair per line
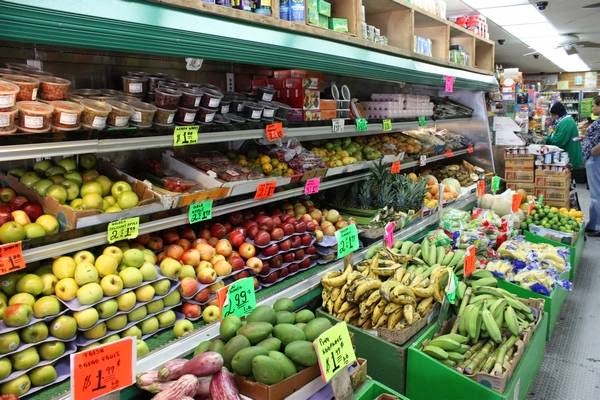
8, 121
143, 114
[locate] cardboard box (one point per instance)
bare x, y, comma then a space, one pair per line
529, 188
327, 105
279, 391
324, 8
555, 197
338, 24
553, 179
519, 161
312, 12
522, 176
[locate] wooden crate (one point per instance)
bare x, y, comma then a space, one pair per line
431, 27
555, 197
529, 188
522, 176
484, 54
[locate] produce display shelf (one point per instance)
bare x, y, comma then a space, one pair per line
372, 388
575, 250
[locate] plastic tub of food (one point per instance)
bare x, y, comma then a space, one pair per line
120, 114
111, 93
191, 97
269, 109
34, 116
66, 114
28, 86
135, 85
167, 98
237, 104
185, 116
252, 110
234, 119
8, 121
164, 117
221, 119
86, 92
53, 88
266, 94
224, 106
9, 71
211, 98
282, 110
94, 113
143, 114
206, 115
154, 79
8, 94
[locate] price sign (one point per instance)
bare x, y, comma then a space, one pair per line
11, 258
386, 125
122, 229
265, 190
495, 184
449, 153
388, 234
312, 186
103, 369
184, 135
422, 121
469, 266
395, 168
480, 187
451, 287
470, 149
361, 125
516, 202
334, 350
200, 211
274, 131
337, 125
449, 84
347, 240
238, 298
423, 160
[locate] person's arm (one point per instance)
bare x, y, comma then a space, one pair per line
559, 138
596, 150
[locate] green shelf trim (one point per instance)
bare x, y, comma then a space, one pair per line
149, 28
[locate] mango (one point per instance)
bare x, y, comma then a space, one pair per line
262, 314
217, 345
234, 345
266, 370
270, 344
242, 361
202, 347
285, 317
300, 325
286, 365
288, 333
302, 352
315, 327
305, 316
229, 327
284, 304
256, 331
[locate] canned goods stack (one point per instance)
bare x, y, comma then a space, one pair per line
519, 169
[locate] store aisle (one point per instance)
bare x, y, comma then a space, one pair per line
571, 368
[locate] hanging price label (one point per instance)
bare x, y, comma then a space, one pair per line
451, 287
184, 135
388, 234
265, 190
274, 131
361, 125
238, 298
422, 121
449, 153
541, 199
337, 125
347, 240
386, 125
449, 84
104, 369
122, 229
11, 258
469, 266
470, 149
200, 211
395, 168
334, 350
516, 202
312, 186
495, 184
480, 187
423, 160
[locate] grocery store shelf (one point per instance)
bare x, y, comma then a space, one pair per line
49, 149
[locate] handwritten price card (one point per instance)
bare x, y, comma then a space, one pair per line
238, 298
122, 229
334, 350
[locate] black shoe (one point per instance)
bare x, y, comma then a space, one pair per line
588, 229
593, 233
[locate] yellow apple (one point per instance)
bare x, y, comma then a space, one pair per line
86, 318
126, 301
106, 264
84, 256
115, 252
66, 289
64, 267
144, 293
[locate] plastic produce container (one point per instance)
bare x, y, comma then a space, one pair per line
185, 116
94, 113
143, 114
164, 117
66, 114
8, 121
28, 86
120, 114
53, 88
282, 111
8, 94
206, 115
34, 116
224, 106
252, 110
211, 98
266, 94
167, 98
191, 97
134, 85
268, 110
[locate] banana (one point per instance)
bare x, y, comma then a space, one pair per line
351, 314
414, 249
461, 289
386, 288
391, 308
435, 352
454, 356
417, 281
447, 258
338, 303
394, 318
490, 325
423, 292
365, 288
481, 298
481, 273
440, 253
336, 278
399, 274
458, 258
373, 298
457, 338
378, 311
517, 305
407, 278
432, 255
408, 311
484, 282
511, 322
346, 306
424, 305
406, 245
425, 249
367, 325
445, 343
473, 320
402, 289
382, 321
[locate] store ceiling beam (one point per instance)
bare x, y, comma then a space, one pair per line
149, 28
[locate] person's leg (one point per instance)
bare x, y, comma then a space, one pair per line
593, 178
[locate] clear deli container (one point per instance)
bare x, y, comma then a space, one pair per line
143, 114
252, 110
269, 109
282, 110
206, 115
168, 98
266, 94
8, 121
185, 116
8, 94
234, 119
66, 114
211, 98
191, 97
164, 117
28, 86
34, 116
95, 113
120, 114
53, 88
86, 92
135, 85
224, 106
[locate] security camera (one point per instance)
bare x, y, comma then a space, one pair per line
501, 41
536, 56
541, 5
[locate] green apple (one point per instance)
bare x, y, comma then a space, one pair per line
18, 386
66, 289
68, 163
117, 322
90, 346
49, 281
42, 166
90, 293
166, 318
74, 176
149, 272
172, 298
187, 271
64, 327
51, 350
22, 298
211, 314
5, 367
96, 332
131, 277
109, 200
42, 376
58, 179
46, 306
92, 201
18, 172
111, 338
17, 315
9, 341
30, 283
64, 267
133, 258
113, 209
106, 264
107, 308
132, 331
8, 283
86, 318
111, 285
34, 230
58, 192
170, 267
87, 161
55, 170
155, 306
85, 273
34, 333
149, 326
29, 178
90, 176
105, 184
91, 187
11, 231
115, 252
3, 304
49, 223
149, 256
145, 293
142, 348
72, 188
41, 186
84, 256
126, 301
25, 359
76, 204
127, 199
118, 188
182, 328
138, 314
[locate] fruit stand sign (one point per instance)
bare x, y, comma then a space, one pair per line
337, 125
469, 266
11, 258
495, 184
347, 240
423, 160
395, 168
422, 121
184, 135
361, 125
334, 350
104, 369
274, 131
265, 190
516, 202
122, 229
470, 149
312, 186
238, 298
449, 84
386, 125
388, 234
200, 211
480, 187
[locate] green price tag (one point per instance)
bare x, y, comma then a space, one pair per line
386, 125
541, 199
361, 125
422, 121
200, 211
347, 239
334, 350
122, 229
495, 184
451, 287
238, 298
184, 135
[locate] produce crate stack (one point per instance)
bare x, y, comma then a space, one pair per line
519, 169
554, 185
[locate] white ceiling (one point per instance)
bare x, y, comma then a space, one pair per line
567, 16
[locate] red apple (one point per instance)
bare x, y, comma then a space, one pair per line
306, 239
186, 244
223, 247
300, 227
288, 229
277, 234
142, 239
265, 222
198, 241
293, 267
276, 212
262, 238
5, 214
288, 257
296, 241
218, 230
311, 250
248, 214
237, 262
311, 226
276, 261
188, 233
213, 241
306, 218
161, 256
236, 218
252, 231
283, 272
236, 238
192, 311
188, 287
206, 275
299, 254
271, 250
205, 234
202, 296
290, 220
271, 278
170, 236
191, 257
285, 245
247, 250
255, 264
306, 263
241, 275
276, 221
155, 243
249, 223
174, 251
17, 202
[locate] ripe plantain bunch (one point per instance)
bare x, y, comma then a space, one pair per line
391, 288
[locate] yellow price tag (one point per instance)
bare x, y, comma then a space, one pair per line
334, 350
184, 135
122, 229
386, 125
